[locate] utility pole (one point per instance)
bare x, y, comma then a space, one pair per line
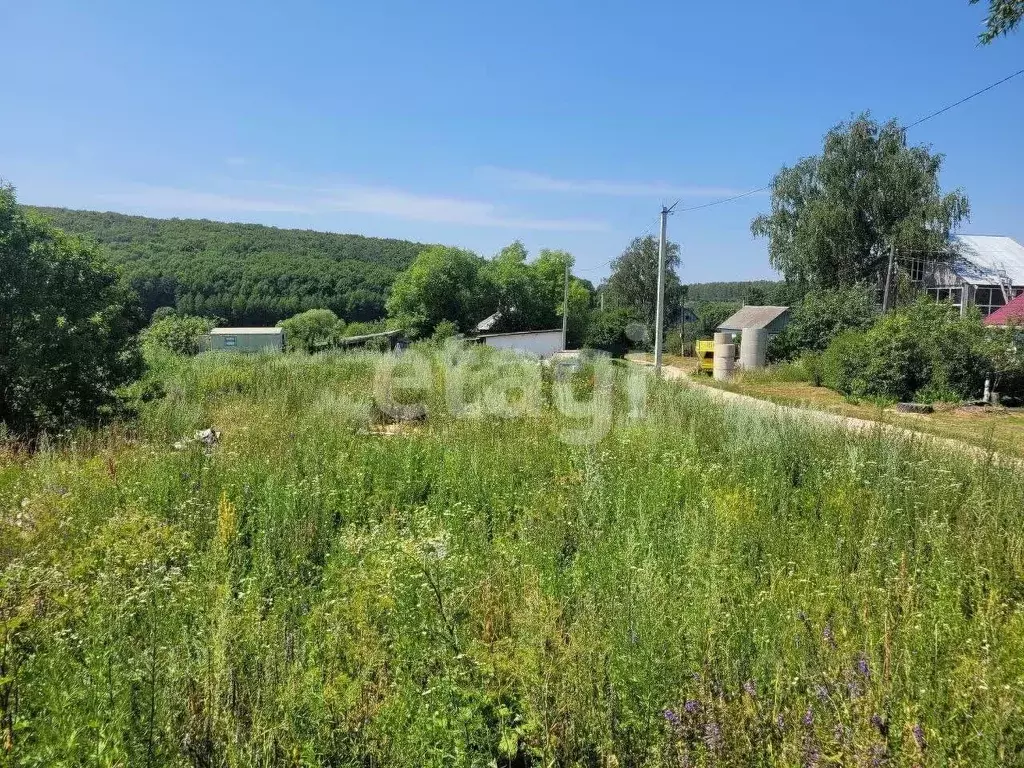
888, 279
565, 310
659, 312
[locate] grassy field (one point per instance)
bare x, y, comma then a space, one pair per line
998, 429
601, 571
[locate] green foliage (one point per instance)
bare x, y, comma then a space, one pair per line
443, 331
925, 351
1003, 18
633, 283
441, 284
315, 591
833, 216
607, 331
179, 334
710, 315
764, 292
247, 274
67, 327
822, 315
160, 313
313, 329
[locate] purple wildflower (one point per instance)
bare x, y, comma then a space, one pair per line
839, 733
713, 736
671, 717
821, 692
812, 757
879, 724
863, 669
829, 635
808, 717
692, 706
750, 689
877, 753
780, 723
918, 732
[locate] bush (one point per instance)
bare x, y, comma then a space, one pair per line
607, 331
925, 352
820, 317
179, 334
313, 329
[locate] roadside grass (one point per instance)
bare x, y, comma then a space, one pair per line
991, 429
697, 584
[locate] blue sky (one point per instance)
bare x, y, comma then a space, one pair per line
563, 124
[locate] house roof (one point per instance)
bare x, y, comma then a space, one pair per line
246, 331
489, 322
347, 340
515, 333
1010, 313
753, 316
984, 259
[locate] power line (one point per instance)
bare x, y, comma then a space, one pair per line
965, 99
914, 124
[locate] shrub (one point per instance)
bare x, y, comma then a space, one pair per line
179, 334
607, 331
821, 316
925, 352
312, 329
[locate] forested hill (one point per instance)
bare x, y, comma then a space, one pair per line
748, 291
244, 273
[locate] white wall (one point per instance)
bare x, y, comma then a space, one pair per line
541, 343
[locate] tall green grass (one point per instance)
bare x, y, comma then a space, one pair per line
701, 585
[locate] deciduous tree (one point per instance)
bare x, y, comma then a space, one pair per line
68, 326
1003, 18
834, 215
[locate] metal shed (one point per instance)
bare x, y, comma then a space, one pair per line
245, 340
771, 319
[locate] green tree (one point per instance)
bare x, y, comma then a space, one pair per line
633, 283
823, 314
441, 284
834, 215
179, 334
68, 326
1003, 18
607, 331
712, 314
312, 329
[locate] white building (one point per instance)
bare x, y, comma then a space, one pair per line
539, 343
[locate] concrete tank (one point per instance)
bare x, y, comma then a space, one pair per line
725, 361
753, 348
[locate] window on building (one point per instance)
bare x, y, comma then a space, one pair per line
951, 294
989, 298
915, 269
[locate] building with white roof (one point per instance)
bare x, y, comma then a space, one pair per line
983, 270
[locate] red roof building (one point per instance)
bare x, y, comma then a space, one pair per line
1010, 313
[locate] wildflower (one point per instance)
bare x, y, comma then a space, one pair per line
780, 723
919, 739
829, 635
877, 753
227, 519
839, 733
863, 669
671, 717
812, 757
713, 736
808, 717
750, 689
821, 692
879, 724
692, 706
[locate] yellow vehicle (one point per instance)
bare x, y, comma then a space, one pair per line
705, 356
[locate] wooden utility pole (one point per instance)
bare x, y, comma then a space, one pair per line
888, 279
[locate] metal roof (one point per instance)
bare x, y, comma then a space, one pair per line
246, 331
1012, 312
753, 317
981, 259
514, 333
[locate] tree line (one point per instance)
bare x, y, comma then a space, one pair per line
245, 274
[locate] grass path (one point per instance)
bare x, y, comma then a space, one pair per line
850, 423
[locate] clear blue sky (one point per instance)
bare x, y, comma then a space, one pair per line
564, 124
